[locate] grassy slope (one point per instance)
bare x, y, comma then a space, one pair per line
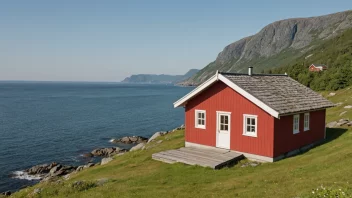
136, 174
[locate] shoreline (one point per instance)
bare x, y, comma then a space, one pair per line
54, 171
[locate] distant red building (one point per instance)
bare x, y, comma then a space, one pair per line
317, 68
261, 116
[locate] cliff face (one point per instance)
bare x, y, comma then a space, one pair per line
276, 44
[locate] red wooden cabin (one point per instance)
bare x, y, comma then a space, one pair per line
317, 68
262, 116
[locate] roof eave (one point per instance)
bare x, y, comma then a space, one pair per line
196, 91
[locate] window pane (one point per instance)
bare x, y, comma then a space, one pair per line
253, 121
226, 119
248, 121
199, 122
221, 127
226, 127
199, 115
248, 129
202, 122
222, 119
202, 114
252, 128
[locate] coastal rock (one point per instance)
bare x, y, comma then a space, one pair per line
102, 181
342, 122
342, 113
137, 147
130, 140
331, 124
107, 152
88, 155
41, 169
106, 160
79, 168
7, 193
88, 165
157, 134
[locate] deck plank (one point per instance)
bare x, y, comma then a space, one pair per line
214, 158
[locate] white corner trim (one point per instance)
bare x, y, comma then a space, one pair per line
196, 91
249, 96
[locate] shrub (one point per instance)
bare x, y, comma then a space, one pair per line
328, 193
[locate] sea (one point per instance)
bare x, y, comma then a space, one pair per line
44, 122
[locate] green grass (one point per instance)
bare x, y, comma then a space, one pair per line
135, 174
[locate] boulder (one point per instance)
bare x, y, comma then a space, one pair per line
88, 155
79, 168
137, 147
89, 165
159, 141
342, 113
342, 122
349, 123
6, 193
130, 140
331, 124
157, 134
40, 169
55, 169
102, 181
348, 107
106, 160
107, 152
332, 94
37, 191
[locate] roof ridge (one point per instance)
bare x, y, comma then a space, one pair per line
244, 74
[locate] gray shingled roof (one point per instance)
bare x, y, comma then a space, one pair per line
280, 92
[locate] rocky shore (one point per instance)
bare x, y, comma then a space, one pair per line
55, 171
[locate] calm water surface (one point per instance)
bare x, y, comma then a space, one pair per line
44, 122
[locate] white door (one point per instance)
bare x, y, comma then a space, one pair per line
223, 129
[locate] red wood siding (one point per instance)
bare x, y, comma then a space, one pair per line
220, 97
286, 141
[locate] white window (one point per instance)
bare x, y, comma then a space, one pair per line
306, 121
296, 124
250, 125
200, 119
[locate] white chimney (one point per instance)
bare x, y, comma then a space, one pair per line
250, 71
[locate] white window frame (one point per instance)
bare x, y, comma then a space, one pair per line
306, 122
295, 129
199, 126
251, 134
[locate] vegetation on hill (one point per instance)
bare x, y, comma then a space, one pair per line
135, 174
336, 53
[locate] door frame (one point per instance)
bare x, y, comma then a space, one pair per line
217, 130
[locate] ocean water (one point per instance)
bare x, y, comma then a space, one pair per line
43, 122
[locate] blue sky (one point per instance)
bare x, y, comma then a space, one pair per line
109, 40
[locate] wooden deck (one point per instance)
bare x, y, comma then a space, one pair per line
213, 158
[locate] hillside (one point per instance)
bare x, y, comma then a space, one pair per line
136, 174
159, 79
277, 44
336, 53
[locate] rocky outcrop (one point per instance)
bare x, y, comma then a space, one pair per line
137, 147
130, 140
107, 152
341, 122
49, 171
106, 160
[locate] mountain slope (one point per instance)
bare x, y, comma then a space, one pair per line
159, 79
277, 44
